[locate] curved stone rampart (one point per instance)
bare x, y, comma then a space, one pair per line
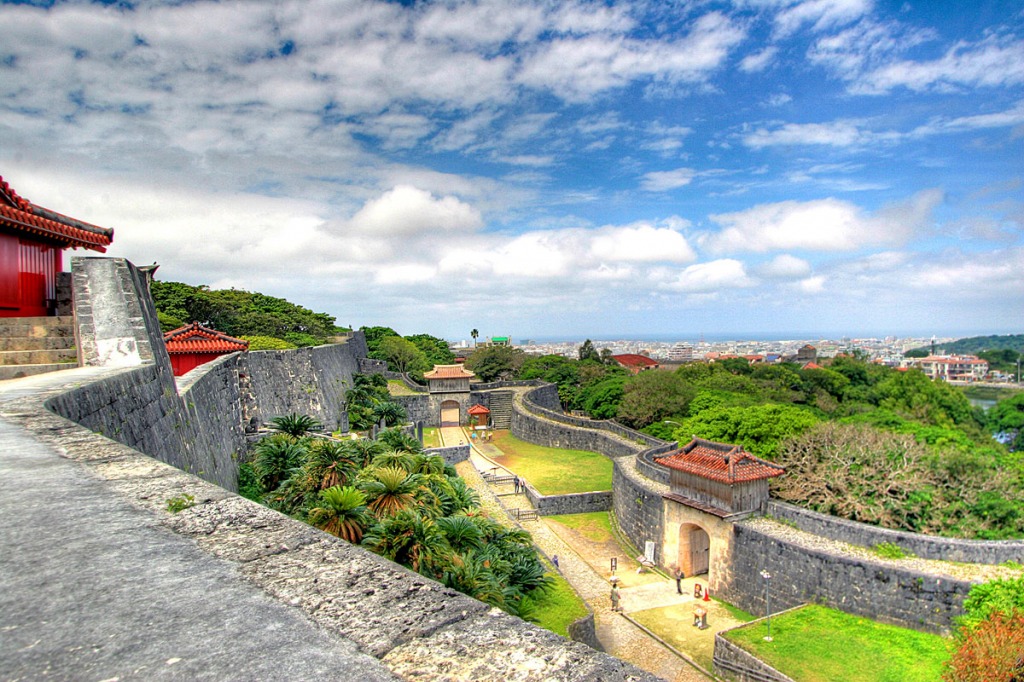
917, 544
366, 605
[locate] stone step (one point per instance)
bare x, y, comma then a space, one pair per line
37, 343
18, 371
39, 357
36, 327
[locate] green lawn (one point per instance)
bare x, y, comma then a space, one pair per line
554, 471
398, 387
431, 438
595, 526
556, 608
818, 644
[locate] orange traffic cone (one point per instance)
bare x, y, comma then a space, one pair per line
707, 594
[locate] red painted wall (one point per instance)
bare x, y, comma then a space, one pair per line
28, 276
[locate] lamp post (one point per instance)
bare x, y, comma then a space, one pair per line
767, 604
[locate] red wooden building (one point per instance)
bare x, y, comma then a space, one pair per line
32, 241
194, 345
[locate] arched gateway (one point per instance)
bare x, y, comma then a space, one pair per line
712, 485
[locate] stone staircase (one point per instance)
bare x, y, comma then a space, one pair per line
36, 345
500, 405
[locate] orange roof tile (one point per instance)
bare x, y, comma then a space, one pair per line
478, 409
21, 215
448, 372
720, 462
195, 338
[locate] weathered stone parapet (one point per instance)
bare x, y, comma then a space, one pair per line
732, 662
917, 544
416, 627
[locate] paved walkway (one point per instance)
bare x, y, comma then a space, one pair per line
620, 637
92, 588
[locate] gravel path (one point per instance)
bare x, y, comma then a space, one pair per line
620, 637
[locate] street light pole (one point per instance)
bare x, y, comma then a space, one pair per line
767, 604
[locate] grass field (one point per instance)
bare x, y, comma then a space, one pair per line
398, 387
554, 471
595, 526
818, 644
431, 438
556, 608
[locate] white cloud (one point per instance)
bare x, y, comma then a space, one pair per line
812, 285
662, 181
785, 266
641, 243
841, 133
759, 61
822, 14
407, 210
994, 62
709, 277
821, 225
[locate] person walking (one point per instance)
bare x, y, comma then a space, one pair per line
615, 598
679, 575
554, 560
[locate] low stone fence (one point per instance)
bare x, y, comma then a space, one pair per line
606, 425
573, 503
453, 454
733, 662
924, 546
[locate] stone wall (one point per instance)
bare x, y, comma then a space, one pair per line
875, 589
575, 503
414, 626
452, 454
639, 507
731, 662
924, 546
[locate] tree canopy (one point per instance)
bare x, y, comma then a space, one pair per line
240, 313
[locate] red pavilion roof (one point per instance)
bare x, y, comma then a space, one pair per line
195, 338
21, 215
448, 372
478, 409
720, 462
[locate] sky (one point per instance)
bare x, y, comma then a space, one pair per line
544, 169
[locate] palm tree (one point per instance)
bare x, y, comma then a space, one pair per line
390, 490
411, 540
328, 464
461, 532
474, 334
396, 439
295, 425
364, 450
275, 457
342, 512
470, 574
392, 413
396, 458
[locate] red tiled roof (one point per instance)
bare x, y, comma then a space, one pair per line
195, 338
811, 365
478, 409
634, 360
448, 372
21, 215
720, 462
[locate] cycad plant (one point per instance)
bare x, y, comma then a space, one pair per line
342, 511
295, 425
390, 490
274, 458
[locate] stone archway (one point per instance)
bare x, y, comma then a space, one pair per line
694, 549
450, 413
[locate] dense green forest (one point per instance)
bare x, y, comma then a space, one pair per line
268, 323
859, 440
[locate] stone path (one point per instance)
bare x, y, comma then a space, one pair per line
620, 637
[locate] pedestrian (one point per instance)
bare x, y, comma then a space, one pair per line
679, 580
519, 485
554, 560
615, 598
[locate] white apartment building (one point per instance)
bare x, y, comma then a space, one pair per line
951, 367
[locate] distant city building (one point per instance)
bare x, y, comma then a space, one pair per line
807, 353
681, 352
635, 363
498, 341
951, 367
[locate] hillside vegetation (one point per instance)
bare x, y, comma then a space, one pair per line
859, 440
269, 323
